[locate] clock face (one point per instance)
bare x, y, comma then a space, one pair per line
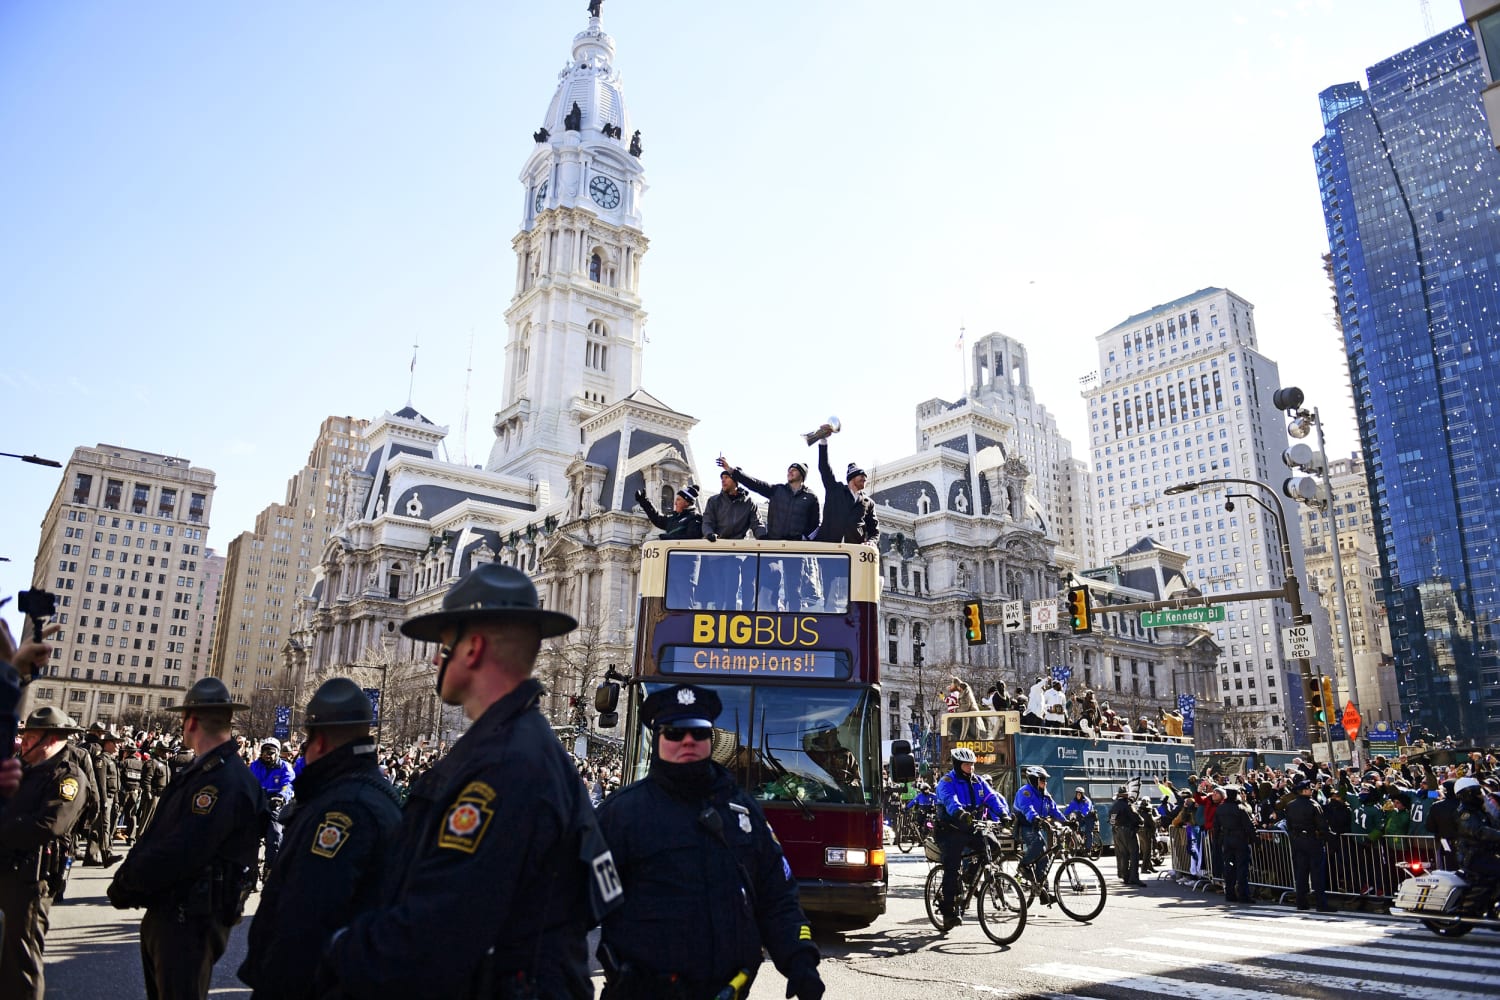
541, 196
604, 192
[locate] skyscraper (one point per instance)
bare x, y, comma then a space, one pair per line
1410, 184
1183, 395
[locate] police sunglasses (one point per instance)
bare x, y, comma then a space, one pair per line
674, 734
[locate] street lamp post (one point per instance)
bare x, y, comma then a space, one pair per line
1291, 589
32, 459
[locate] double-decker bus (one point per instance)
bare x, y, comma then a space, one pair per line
787, 634
1003, 749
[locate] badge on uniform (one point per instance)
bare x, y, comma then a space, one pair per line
203, 802
68, 789
744, 815
467, 819
332, 833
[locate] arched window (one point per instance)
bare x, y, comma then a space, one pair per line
596, 349
523, 352
596, 266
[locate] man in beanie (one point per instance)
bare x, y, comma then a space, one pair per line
194, 866
792, 514
729, 580
706, 886
684, 523
498, 869
848, 513
36, 838
334, 851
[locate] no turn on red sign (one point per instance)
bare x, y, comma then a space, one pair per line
1297, 642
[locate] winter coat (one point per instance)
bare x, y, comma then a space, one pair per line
847, 516
792, 515
731, 515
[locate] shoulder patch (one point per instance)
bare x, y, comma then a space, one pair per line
467, 819
331, 834
68, 789
205, 800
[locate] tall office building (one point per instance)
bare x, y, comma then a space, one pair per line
1410, 181
122, 547
1183, 395
269, 567
206, 615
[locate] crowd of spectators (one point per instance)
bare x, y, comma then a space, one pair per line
1046, 706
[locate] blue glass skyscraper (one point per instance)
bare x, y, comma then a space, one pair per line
1410, 183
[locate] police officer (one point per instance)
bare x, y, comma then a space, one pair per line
275, 776
101, 834
498, 868
339, 828
1033, 807
1124, 822
1476, 838
193, 868
36, 839
1235, 831
153, 782
132, 789
1308, 830
706, 886
963, 796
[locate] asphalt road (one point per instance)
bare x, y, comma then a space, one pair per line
1161, 940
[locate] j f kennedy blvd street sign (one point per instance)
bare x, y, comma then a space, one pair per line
1183, 616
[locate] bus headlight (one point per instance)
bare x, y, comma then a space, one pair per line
855, 856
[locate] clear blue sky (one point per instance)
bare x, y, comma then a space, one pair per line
189, 188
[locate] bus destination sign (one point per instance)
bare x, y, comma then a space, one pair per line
727, 661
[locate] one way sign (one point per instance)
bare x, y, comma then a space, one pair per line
1013, 616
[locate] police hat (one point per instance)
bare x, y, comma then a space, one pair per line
50, 720
209, 692
681, 705
338, 702
1301, 785
494, 594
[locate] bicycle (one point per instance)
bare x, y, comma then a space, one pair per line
912, 827
1078, 887
1002, 902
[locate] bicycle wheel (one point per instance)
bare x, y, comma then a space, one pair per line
906, 834
934, 897
1079, 889
1002, 906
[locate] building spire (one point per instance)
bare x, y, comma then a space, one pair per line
412, 380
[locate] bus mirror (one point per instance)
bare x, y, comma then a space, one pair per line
900, 748
903, 767
609, 720
607, 698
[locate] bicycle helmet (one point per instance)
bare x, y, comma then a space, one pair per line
1035, 773
963, 755
923, 786
1465, 784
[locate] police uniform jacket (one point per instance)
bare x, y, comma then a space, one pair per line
730, 515
1122, 814
157, 776
333, 856
132, 771
487, 856
791, 515
108, 772
685, 524
210, 819
1233, 826
45, 808
1304, 818
847, 516
692, 905
1475, 834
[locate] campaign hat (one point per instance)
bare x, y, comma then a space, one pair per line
338, 702
492, 594
50, 720
209, 692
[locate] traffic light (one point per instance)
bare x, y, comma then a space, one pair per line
1315, 702
1080, 605
1330, 706
974, 622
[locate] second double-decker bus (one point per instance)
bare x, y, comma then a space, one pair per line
786, 633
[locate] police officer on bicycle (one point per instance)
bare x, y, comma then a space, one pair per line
1033, 808
962, 796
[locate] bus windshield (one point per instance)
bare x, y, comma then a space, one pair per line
796, 744
748, 581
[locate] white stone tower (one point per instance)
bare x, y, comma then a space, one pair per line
575, 324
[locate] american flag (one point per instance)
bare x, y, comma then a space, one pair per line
1062, 673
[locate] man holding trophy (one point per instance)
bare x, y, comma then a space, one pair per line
848, 512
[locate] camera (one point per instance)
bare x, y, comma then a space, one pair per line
38, 605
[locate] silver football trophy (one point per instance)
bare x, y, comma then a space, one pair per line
828, 429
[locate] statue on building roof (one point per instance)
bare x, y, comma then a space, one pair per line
541, 135
573, 121
635, 144
594, 6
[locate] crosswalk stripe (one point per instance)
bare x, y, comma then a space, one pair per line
1166, 962
1318, 961
1156, 985
1376, 948
1401, 935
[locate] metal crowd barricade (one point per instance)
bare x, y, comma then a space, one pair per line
1357, 866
